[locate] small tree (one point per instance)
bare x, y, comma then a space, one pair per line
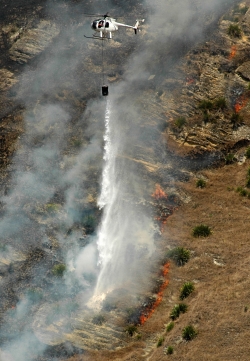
186, 290
180, 122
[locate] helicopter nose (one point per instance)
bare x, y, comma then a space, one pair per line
93, 25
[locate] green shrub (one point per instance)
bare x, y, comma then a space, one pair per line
206, 116
160, 341
242, 191
234, 30
179, 255
236, 119
229, 158
248, 153
248, 172
170, 326
186, 290
89, 223
205, 105
170, 350
175, 313
180, 122
248, 182
183, 307
244, 9
220, 103
189, 332
98, 319
201, 183
59, 269
201, 231
177, 310
131, 330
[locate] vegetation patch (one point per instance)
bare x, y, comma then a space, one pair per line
131, 330
170, 350
186, 290
234, 31
98, 319
247, 153
201, 183
170, 326
177, 310
179, 255
180, 122
229, 158
201, 230
189, 333
160, 341
59, 269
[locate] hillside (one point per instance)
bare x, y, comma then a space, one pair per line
180, 112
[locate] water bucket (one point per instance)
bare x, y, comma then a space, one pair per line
105, 90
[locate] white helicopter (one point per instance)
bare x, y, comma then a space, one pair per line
106, 25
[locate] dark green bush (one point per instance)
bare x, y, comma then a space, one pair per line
98, 319
248, 182
201, 183
180, 122
234, 30
183, 307
59, 269
179, 255
229, 158
236, 120
201, 231
175, 313
220, 103
242, 191
160, 341
186, 290
131, 330
248, 153
89, 223
177, 310
170, 326
189, 332
170, 350
205, 105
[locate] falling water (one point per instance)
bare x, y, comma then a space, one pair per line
125, 232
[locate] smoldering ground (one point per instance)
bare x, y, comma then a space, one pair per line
55, 181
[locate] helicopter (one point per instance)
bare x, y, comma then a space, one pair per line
107, 25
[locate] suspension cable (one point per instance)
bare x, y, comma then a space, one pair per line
102, 64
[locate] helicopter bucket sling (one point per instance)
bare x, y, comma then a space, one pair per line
105, 88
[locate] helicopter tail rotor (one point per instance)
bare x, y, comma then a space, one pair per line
137, 24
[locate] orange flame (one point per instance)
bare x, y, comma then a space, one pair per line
233, 52
189, 81
241, 103
159, 193
151, 309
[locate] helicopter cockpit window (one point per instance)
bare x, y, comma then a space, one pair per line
100, 25
107, 24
